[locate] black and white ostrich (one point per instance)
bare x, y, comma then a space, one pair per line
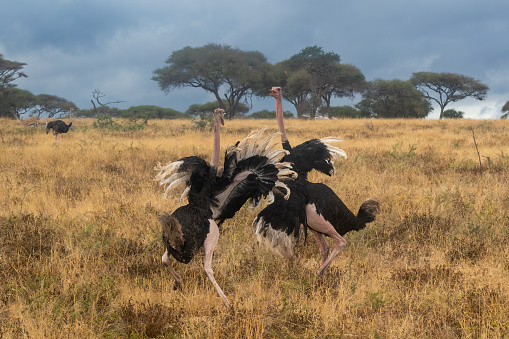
313, 205
58, 126
252, 169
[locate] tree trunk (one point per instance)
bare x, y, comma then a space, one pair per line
441, 111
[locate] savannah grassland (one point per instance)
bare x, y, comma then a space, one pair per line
80, 245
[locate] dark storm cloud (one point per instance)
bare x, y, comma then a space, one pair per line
72, 47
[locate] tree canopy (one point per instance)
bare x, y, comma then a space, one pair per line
9, 99
448, 87
151, 112
52, 105
215, 68
10, 71
266, 114
453, 114
505, 110
393, 99
209, 107
18, 102
341, 112
312, 77
344, 81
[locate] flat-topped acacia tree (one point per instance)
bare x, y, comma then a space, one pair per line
222, 70
448, 87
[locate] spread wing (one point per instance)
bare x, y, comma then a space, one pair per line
252, 169
192, 172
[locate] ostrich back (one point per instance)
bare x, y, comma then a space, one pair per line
329, 205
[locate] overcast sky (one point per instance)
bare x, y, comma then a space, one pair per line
72, 47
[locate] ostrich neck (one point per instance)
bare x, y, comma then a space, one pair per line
279, 117
217, 145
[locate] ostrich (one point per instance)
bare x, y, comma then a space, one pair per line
313, 205
58, 126
252, 169
30, 122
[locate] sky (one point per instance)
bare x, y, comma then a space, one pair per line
72, 47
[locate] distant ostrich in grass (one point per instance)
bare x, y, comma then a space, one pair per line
313, 205
252, 169
58, 126
30, 122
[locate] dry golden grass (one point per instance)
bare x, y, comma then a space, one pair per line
80, 245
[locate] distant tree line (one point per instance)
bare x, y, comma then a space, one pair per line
310, 80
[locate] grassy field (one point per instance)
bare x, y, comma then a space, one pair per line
80, 245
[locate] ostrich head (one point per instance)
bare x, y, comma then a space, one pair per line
219, 116
275, 92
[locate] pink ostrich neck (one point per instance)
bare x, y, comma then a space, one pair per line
218, 121
279, 117
217, 145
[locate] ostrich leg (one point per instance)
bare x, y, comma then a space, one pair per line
319, 224
210, 245
167, 261
323, 247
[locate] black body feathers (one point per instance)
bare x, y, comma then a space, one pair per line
330, 206
184, 232
58, 127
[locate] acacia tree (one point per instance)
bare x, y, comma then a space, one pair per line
215, 68
312, 77
393, 99
344, 81
448, 87
52, 105
9, 72
505, 110
309, 75
18, 102
296, 90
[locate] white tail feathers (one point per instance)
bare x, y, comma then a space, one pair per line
255, 144
169, 176
334, 151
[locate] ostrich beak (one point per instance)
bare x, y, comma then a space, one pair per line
274, 91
